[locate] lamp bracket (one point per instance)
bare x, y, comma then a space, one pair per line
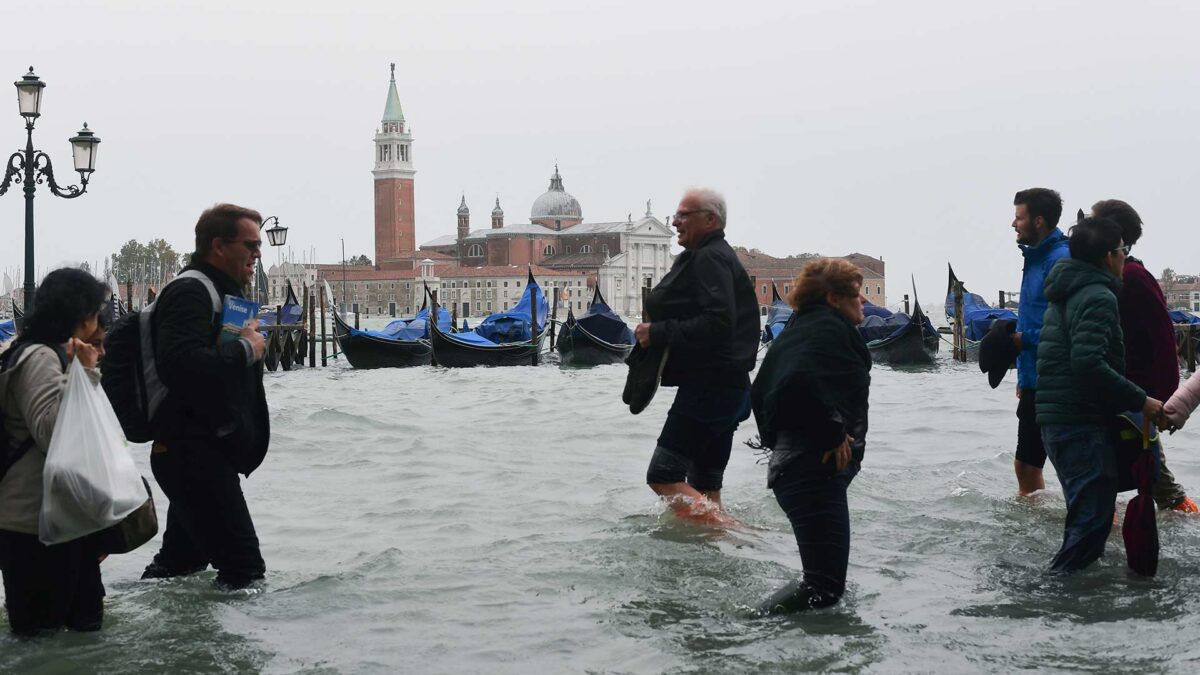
45, 170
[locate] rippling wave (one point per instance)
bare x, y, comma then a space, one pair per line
496, 520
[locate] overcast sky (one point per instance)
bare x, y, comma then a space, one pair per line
899, 130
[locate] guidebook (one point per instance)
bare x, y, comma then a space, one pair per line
237, 313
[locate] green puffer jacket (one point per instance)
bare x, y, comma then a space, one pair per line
1081, 357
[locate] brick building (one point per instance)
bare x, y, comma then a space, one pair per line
767, 270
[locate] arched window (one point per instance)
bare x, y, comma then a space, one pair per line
549, 250
586, 248
475, 251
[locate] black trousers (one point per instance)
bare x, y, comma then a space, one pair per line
50, 587
815, 503
207, 519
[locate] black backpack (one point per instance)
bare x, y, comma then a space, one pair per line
130, 376
10, 454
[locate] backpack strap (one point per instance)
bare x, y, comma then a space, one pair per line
9, 456
156, 391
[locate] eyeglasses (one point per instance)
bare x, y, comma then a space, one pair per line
1124, 249
252, 245
684, 214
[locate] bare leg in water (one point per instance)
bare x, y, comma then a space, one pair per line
690, 504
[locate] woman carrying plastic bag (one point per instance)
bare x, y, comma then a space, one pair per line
46, 587
90, 481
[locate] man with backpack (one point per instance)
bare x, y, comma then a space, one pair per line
213, 422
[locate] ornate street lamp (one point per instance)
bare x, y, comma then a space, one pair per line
31, 167
276, 234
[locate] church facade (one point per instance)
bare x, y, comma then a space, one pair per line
482, 268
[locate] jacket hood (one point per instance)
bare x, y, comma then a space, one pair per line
1069, 276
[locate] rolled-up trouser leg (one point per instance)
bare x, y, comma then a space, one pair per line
1167, 491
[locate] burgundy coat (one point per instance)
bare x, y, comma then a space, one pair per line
1150, 356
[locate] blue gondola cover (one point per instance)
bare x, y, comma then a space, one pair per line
414, 328
511, 326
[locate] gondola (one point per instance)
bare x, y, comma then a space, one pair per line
1184, 322
597, 338
281, 344
503, 339
404, 343
777, 316
978, 315
18, 317
899, 339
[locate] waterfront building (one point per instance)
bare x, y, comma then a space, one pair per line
766, 269
1182, 291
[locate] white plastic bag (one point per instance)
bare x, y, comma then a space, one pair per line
90, 481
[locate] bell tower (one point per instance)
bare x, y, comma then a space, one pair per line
395, 226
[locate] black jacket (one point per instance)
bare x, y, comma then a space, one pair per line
706, 311
814, 382
215, 391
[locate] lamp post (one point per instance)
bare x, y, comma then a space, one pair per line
277, 236
31, 167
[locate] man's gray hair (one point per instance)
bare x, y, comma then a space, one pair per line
710, 200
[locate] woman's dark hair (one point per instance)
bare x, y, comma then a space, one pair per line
219, 222
1092, 238
823, 276
65, 299
1042, 202
1123, 213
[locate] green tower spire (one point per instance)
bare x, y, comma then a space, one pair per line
392, 111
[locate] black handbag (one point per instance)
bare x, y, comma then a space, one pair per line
136, 529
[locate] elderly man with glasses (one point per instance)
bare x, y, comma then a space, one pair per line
705, 311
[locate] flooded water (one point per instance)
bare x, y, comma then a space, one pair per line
497, 521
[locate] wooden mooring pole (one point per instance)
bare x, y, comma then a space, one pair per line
312, 335
960, 337
433, 312
1189, 340
553, 316
324, 342
533, 327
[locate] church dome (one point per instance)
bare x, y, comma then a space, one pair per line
556, 202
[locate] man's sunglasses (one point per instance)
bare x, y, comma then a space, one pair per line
252, 245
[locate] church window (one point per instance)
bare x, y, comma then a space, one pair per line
518, 284
489, 284
478, 285
604, 248
475, 251
586, 248
506, 284
764, 289
549, 250
878, 290
387, 153
506, 306
567, 249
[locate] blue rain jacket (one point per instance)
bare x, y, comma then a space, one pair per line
1032, 307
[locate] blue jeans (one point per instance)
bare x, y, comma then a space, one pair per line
815, 503
1084, 456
